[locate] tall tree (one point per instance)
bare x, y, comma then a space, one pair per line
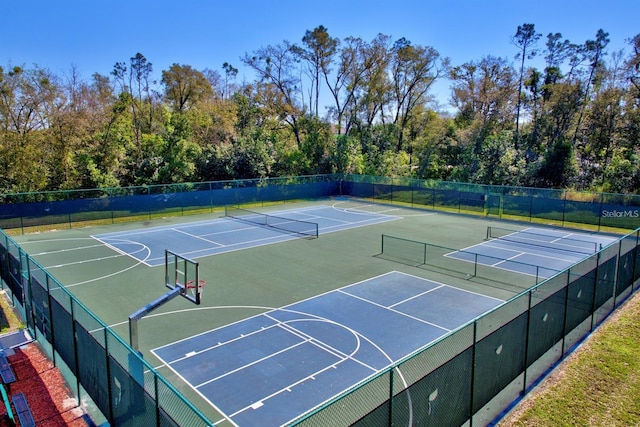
633, 63
135, 80
632, 104
375, 89
350, 87
318, 52
230, 73
414, 70
484, 92
184, 87
594, 51
349, 73
279, 85
27, 99
525, 40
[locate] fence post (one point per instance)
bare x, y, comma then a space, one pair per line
526, 343
473, 371
566, 312
600, 211
391, 377
108, 369
564, 206
595, 292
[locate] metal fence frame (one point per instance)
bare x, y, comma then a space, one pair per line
66, 328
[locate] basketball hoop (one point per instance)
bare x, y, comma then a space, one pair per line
191, 287
191, 284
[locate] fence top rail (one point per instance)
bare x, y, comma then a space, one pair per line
569, 194
482, 188
150, 187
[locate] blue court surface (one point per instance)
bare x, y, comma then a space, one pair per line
534, 251
203, 238
269, 369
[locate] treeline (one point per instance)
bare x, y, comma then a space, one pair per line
573, 123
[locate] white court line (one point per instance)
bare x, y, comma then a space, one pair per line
222, 343
316, 373
395, 311
306, 317
197, 237
246, 244
321, 344
269, 309
84, 261
255, 362
510, 259
418, 295
58, 251
288, 388
278, 237
565, 259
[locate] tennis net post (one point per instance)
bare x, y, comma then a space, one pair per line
406, 249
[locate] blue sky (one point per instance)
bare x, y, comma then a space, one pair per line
94, 35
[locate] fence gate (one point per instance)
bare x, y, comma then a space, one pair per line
494, 205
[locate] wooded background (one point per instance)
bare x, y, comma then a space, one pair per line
557, 114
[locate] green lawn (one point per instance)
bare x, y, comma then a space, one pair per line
599, 385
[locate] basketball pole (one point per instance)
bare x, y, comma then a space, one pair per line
134, 317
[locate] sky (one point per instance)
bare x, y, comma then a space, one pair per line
91, 36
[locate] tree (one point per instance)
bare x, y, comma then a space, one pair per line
351, 88
559, 166
178, 152
498, 162
484, 93
135, 80
525, 39
373, 92
278, 86
631, 109
185, 87
74, 120
594, 50
633, 63
27, 97
414, 70
318, 51
346, 80
230, 73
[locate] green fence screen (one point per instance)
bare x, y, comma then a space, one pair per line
464, 378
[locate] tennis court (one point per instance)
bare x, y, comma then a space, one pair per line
534, 251
287, 320
241, 229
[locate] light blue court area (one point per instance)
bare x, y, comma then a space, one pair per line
535, 251
204, 238
269, 369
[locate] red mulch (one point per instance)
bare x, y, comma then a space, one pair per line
51, 401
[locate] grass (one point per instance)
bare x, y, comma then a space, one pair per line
599, 385
9, 321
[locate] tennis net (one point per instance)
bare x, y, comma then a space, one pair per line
287, 225
462, 262
549, 241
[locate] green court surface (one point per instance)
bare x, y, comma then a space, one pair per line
245, 282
